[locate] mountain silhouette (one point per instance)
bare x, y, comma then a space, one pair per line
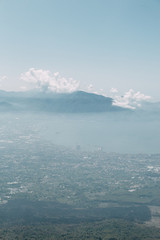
76, 102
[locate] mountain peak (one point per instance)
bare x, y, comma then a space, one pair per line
74, 102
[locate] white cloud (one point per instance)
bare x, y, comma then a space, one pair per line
113, 90
130, 99
46, 81
2, 78
90, 88
23, 88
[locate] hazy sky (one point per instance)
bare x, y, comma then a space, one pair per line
102, 44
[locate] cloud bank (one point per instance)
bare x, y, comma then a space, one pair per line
130, 99
44, 80
114, 90
3, 78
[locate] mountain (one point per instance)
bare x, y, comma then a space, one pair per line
76, 102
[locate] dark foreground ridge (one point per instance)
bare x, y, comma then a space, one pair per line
76, 102
25, 219
27, 211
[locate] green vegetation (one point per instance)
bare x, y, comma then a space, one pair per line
104, 230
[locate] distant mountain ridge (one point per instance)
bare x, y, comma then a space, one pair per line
75, 102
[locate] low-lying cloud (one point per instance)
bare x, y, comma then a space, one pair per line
3, 78
130, 99
44, 80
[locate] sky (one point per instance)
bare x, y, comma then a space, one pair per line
111, 47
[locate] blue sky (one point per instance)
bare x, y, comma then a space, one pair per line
102, 44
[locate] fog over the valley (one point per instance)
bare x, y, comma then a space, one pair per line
82, 120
